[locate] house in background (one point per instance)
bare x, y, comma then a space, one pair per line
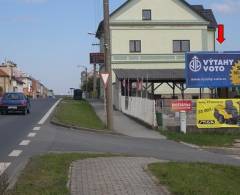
5, 82
154, 35
27, 84
12, 79
17, 84
35, 89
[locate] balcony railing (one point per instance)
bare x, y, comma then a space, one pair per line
142, 58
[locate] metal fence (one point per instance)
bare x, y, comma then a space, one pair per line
171, 118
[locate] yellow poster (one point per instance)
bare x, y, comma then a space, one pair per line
218, 113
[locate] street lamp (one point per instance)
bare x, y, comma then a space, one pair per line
86, 77
91, 33
72, 90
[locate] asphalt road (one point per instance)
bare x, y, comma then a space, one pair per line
15, 128
50, 138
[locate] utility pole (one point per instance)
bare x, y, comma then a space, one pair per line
108, 66
86, 72
94, 81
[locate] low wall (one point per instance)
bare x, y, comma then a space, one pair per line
139, 108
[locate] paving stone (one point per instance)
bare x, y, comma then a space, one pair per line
237, 140
114, 176
237, 145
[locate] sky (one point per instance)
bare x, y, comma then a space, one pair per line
49, 39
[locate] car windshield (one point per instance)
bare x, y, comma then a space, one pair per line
13, 96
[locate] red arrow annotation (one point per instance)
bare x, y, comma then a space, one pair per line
221, 38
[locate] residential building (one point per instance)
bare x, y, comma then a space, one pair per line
17, 85
36, 88
27, 84
156, 34
5, 82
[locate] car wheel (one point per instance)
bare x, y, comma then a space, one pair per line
28, 111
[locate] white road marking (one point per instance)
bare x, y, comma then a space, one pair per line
15, 153
4, 166
45, 117
25, 143
36, 128
32, 134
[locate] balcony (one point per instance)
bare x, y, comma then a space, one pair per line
148, 58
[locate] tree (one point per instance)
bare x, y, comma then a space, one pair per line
90, 85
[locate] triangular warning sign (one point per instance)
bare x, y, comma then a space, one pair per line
105, 77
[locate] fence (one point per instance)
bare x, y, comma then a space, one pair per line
171, 118
139, 108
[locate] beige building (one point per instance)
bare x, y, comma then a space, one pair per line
5, 84
155, 34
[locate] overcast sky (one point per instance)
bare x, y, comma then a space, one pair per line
48, 38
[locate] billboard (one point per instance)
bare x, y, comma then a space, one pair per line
218, 113
212, 70
97, 58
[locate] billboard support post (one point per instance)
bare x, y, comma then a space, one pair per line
183, 122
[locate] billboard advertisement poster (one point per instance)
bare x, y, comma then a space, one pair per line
218, 113
212, 70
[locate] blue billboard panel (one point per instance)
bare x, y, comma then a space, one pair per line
212, 70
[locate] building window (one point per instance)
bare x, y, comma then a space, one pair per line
135, 46
181, 46
146, 14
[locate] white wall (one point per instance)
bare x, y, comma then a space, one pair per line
140, 108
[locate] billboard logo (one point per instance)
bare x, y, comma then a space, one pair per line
195, 65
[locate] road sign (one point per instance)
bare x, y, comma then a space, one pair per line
181, 105
221, 37
105, 77
97, 58
212, 69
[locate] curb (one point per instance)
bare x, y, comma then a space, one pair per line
72, 127
190, 145
156, 180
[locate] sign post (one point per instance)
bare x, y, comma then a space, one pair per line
105, 77
182, 106
183, 122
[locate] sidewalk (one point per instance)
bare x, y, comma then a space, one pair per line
125, 125
114, 176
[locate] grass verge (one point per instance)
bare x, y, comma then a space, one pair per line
77, 113
48, 174
204, 139
198, 178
